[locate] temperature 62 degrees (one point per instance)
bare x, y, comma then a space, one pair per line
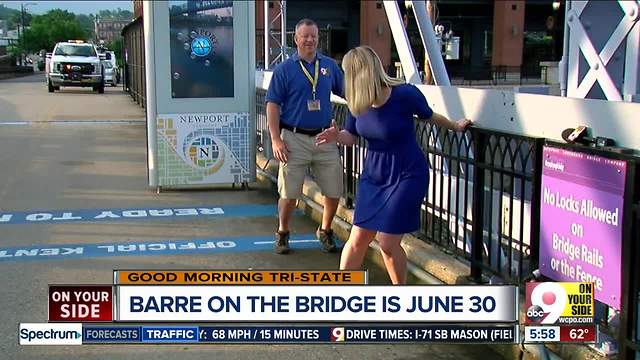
578, 333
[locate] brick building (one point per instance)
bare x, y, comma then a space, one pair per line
109, 30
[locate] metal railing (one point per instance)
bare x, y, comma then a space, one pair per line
134, 72
490, 169
630, 319
483, 205
480, 198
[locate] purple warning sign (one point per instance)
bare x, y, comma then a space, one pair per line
581, 220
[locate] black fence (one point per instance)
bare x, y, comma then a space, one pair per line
493, 170
483, 206
134, 72
630, 316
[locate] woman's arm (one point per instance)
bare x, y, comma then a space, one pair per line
332, 134
443, 122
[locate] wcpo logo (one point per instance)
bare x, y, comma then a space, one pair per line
559, 303
50, 334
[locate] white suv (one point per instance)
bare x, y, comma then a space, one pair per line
75, 63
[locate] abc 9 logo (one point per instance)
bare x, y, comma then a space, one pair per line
337, 334
546, 299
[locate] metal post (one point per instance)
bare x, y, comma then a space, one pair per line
348, 154
477, 231
283, 34
22, 10
564, 62
536, 203
631, 87
628, 305
267, 31
21, 39
409, 67
283, 30
150, 102
19, 44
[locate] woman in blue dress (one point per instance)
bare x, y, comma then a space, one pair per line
395, 176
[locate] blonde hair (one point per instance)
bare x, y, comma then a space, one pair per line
364, 78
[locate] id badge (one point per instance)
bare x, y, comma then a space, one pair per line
313, 105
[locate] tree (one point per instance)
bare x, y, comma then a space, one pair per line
116, 46
48, 29
87, 24
10, 15
105, 14
13, 17
118, 14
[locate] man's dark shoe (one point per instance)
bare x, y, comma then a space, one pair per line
281, 245
327, 242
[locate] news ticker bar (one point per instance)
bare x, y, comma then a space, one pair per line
77, 334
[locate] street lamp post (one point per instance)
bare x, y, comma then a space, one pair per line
19, 38
23, 6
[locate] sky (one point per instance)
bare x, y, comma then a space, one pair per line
78, 7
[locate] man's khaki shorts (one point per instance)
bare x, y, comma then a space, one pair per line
324, 161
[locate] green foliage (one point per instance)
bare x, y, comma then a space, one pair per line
118, 14
13, 17
87, 24
48, 29
537, 39
117, 47
5, 12
10, 15
537, 47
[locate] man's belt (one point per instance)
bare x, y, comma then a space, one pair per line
297, 130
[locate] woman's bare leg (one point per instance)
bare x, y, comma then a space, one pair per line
395, 259
356, 248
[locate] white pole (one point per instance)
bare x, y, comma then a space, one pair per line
434, 53
266, 34
150, 81
564, 62
401, 40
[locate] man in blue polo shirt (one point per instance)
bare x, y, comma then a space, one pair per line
299, 108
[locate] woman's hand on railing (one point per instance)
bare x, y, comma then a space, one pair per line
462, 124
330, 135
444, 122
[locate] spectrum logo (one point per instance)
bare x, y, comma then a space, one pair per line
50, 334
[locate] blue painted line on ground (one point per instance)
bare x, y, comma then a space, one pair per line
152, 248
135, 214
